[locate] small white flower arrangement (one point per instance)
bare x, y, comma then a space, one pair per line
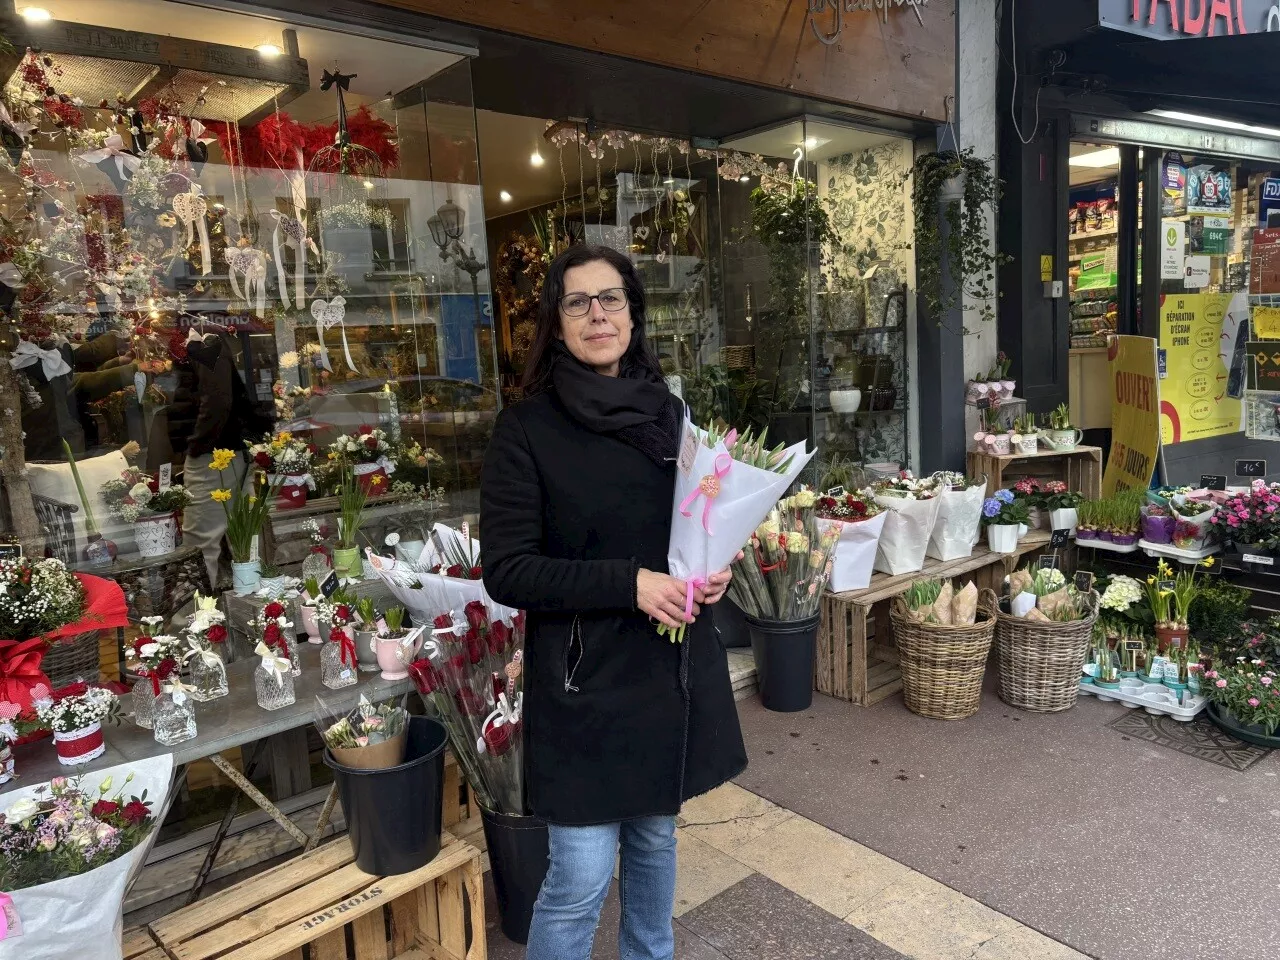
1121, 593
69, 714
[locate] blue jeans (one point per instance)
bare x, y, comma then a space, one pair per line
567, 911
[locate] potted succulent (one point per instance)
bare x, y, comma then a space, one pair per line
1028, 490
1001, 516
287, 461
273, 581
137, 498
1060, 435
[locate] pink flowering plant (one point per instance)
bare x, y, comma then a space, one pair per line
1249, 688
1252, 518
67, 830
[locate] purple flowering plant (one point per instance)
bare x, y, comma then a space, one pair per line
66, 830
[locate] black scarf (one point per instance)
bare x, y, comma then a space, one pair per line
637, 410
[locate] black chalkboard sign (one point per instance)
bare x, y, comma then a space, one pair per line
10, 551
1213, 481
1049, 561
1084, 581
1135, 645
329, 585
1251, 468
1166, 584
1059, 538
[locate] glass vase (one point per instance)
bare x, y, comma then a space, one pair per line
175, 717
144, 702
315, 565
274, 690
295, 663
208, 675
333, 672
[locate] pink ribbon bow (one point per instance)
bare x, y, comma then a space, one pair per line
693, 583
708, 487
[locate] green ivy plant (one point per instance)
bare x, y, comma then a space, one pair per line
966, 251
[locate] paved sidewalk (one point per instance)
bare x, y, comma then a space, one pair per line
759, 882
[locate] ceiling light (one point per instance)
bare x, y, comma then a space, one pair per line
36, 14
669, 180
268, 49
504, 196
1215, 122
1108, 157
368, 184
744, 179
535, 159
813, 143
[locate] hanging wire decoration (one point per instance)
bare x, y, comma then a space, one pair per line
582, 189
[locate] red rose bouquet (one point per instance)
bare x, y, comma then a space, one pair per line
859, 521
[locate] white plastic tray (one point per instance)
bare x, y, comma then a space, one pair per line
1174, 553
1153, 697
1107, 545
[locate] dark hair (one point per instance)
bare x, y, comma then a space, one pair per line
639, 360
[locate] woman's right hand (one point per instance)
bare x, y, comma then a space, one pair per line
662, 598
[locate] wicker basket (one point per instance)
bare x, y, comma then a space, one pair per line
74, 658
1041, 663
942, 665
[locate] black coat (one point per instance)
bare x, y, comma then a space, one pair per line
211, 406
620, 723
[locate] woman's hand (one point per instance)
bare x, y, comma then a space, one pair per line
716, 586
662, 598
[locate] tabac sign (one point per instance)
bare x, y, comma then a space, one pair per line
826, 17
1182, 19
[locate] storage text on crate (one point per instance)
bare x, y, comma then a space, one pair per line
336, 912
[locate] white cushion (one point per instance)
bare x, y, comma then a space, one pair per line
54, 480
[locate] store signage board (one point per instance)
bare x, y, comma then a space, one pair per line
826, 17
1182, 19
1264, 262
1135, 414
1265, 369
1173, 244
1172, 137
1213, 481
1196, 275
1268, 199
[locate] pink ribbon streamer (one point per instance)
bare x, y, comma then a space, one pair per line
693, 583
708, 487
5, 902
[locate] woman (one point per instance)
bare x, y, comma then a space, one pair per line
621, 725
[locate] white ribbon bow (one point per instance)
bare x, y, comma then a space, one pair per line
202, 651
274, 665
252, 265
330, 314
191, 208
27, 353
113, 148
291, 232
504, 715
179, 690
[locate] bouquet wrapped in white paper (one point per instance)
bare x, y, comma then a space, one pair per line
959, 514
726, 485
861, 521
912, 507
102, 832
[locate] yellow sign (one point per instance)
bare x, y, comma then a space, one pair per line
1135, 414
1266, 323
1046, 267
1200, 395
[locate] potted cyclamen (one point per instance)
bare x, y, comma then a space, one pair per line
156, 656
367, 452
137, 498
1061, 505
1029, 491
1001, 516
75, 715
287, 460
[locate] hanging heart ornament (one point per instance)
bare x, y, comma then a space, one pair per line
642, 233
328, 314
190, 207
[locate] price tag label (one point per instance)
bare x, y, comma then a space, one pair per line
165, 476
1049, 561
688, 449
1166, 584
1213, 481
1135, 645
1256, 558
1084, 581
983, 403
1059, 538
836, 492
1251, 468
329, 585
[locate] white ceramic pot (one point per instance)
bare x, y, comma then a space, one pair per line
1027, 443
156, 535
1000, 444
1002, 537
1006, 388
975, 391
846, 401
246, 576
1023, 530
1064, 519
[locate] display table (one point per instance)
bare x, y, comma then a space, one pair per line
856, 658
241, 609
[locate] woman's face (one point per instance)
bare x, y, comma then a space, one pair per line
601, 334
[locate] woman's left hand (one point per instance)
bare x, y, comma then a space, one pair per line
716, 586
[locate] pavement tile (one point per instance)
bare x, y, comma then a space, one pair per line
729, 816
703, 872
922, 918
820, 865
759, 920
1026, 944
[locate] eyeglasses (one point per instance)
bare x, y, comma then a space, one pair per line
579, 304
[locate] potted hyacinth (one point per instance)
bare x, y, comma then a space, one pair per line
1002, 515
137, 498
368, 454
287, 461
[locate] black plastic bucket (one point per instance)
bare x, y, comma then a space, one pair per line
728, 619
784, 651
519, 853
394, 815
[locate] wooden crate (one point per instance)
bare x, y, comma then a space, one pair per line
138, 944
856, 658
1080, 469
321, 906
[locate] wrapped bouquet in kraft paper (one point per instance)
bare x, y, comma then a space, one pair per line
959, 515
911, 506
